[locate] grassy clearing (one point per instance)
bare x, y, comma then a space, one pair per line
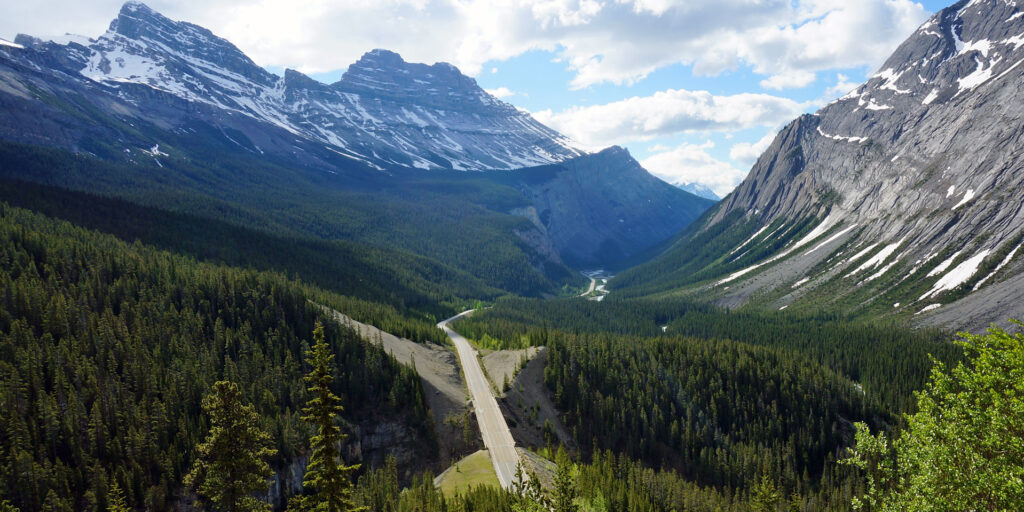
472, 471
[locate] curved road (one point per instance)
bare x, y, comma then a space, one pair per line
593, 283
497, 437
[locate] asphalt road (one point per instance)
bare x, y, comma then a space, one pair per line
497, 437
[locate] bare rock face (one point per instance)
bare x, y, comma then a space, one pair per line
915, 178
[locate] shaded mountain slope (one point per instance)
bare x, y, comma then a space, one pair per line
183, 120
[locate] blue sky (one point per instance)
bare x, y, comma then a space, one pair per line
695, 89
542, 81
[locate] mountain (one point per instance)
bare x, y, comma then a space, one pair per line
900, 198
384, 111
600, 208
699, 190
168, 114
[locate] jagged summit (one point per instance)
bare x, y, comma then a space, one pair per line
144, 31
385, 73
958, 49
384, 112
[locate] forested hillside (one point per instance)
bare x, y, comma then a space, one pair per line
452, 221
719, 413
405, 285
889, 361
106, 349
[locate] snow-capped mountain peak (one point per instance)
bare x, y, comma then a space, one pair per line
698, 189
384, 111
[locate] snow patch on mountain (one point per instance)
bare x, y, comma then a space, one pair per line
855, 140
384, 111
966, 199
878, 258
958, 275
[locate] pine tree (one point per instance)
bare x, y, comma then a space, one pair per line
115, 499
232, 466
327, 475
765, 497
565, 483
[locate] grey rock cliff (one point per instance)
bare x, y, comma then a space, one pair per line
920, 168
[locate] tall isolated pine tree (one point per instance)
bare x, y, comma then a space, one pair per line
232, 465
565, 483
326, 475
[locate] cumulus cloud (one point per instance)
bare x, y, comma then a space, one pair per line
617, 41
668, 113
691, 163
789, 79
746, 153
501, 92
841, 88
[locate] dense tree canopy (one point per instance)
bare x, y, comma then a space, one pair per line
889, 361
107, 349
231, 469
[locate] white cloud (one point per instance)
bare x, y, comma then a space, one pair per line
617, 41
841, 88
788, 80
501, 92
746, 153
668, 113
691, 163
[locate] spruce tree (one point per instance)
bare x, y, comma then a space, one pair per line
327, 475
115, 499
232, 466
764, 496
565, 483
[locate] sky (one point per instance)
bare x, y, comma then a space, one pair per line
694, 89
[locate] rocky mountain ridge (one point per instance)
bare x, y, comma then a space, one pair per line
902, 197
152, 92
383, 112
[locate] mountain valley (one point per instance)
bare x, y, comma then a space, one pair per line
226, 288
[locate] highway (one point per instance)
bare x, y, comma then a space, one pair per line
497, 437
593, 283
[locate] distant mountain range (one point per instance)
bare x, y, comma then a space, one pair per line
383, 112
901, 198
156, 93
700, 190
